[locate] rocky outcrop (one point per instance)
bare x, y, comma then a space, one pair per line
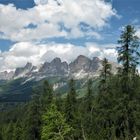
55, 68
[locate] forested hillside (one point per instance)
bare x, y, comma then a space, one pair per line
110, 113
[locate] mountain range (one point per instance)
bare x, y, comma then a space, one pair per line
81, 67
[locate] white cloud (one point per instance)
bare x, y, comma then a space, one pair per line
138, 32
105, 50
42, 2
23, 52
47, 15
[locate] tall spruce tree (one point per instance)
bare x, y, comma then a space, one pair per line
18, 131
71, 110
89, 96
33, 120
47, 96
105, 74
87, 109
104, 103
71, 101
128, 56
8, 132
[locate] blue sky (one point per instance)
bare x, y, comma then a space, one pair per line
25, 22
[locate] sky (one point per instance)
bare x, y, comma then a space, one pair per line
40, 30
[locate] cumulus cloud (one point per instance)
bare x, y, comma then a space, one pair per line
103, 50
47, 16
23, 52
138, 32
42, 2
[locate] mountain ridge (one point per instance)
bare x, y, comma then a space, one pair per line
81, 67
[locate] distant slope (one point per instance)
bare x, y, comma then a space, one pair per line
15, 91
19, 91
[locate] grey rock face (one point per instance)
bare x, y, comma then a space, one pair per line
95, 64
55, 68
81, 63
20, 72
85, 64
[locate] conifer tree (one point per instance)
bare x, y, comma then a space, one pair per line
71, 101
71, 111
1, 127
128, 56
18, 131
33, 120
54, 125
8, 134
105, 74
47, 95
89, 96
104, 102
87, 116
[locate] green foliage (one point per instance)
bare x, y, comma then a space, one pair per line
128, 51
89, 97
71, 102
8, 132
17, 131
105, 75
46, 96
54, 125
33, 121
128, 56
106, 70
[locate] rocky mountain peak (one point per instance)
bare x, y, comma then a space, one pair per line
23, 71
82, 58
28, 65
56, 61
54, 68
81, 63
